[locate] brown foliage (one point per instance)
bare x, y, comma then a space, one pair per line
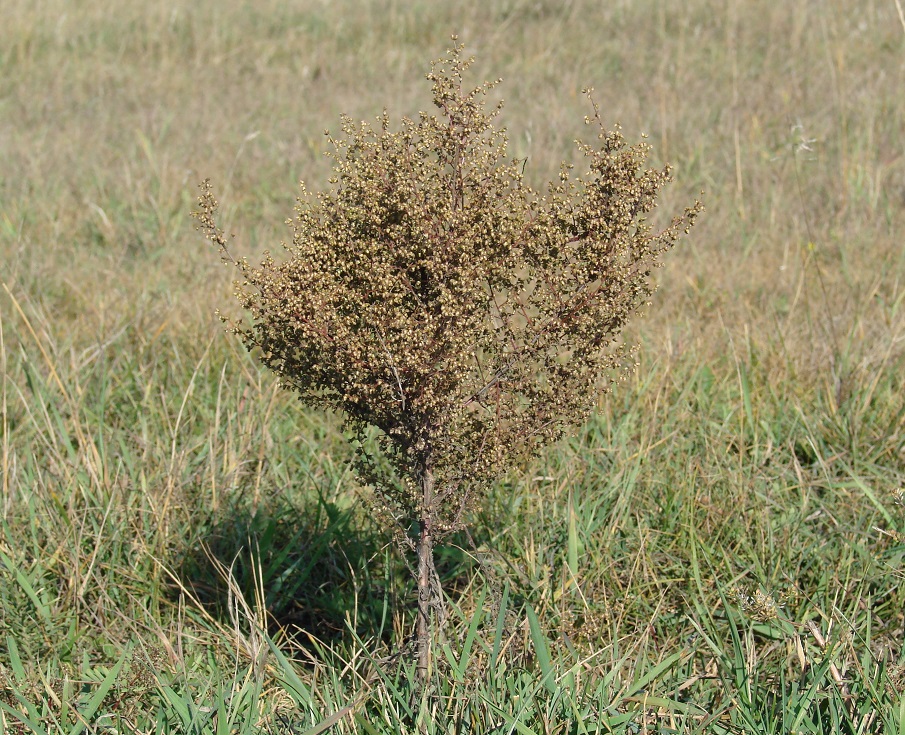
434, 296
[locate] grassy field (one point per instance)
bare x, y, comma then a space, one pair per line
183, 549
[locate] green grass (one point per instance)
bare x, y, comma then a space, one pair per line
183, 549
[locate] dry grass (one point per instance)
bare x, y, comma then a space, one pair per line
788, 116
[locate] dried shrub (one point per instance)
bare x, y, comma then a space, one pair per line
458, 319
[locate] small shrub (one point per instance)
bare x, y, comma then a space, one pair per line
457, 319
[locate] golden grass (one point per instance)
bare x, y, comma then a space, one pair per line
788, 116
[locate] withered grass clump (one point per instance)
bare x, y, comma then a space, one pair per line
458, 319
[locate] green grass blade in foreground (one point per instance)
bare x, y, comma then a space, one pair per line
459, 661
500, 627
541, 651
172, 698
465, 654
366, 726
42, 607
871, 496
190, 717
223, 723
29, 720
573, 543
14, 661
652, 675
289, 679
513, 721
97, 699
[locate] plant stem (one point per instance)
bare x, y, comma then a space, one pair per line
425, 574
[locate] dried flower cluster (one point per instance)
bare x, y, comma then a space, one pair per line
759, 605
458, 319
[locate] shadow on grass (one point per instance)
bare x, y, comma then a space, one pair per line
321, 573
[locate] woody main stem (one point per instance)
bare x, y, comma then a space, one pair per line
425, 551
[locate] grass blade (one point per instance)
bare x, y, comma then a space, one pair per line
652, 675
471, 634
97, 699
40, 606
541, 650
291, 682
33, 726
14, 661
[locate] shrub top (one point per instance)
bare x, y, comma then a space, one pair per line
432, 295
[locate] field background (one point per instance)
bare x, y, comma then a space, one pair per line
718, 551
